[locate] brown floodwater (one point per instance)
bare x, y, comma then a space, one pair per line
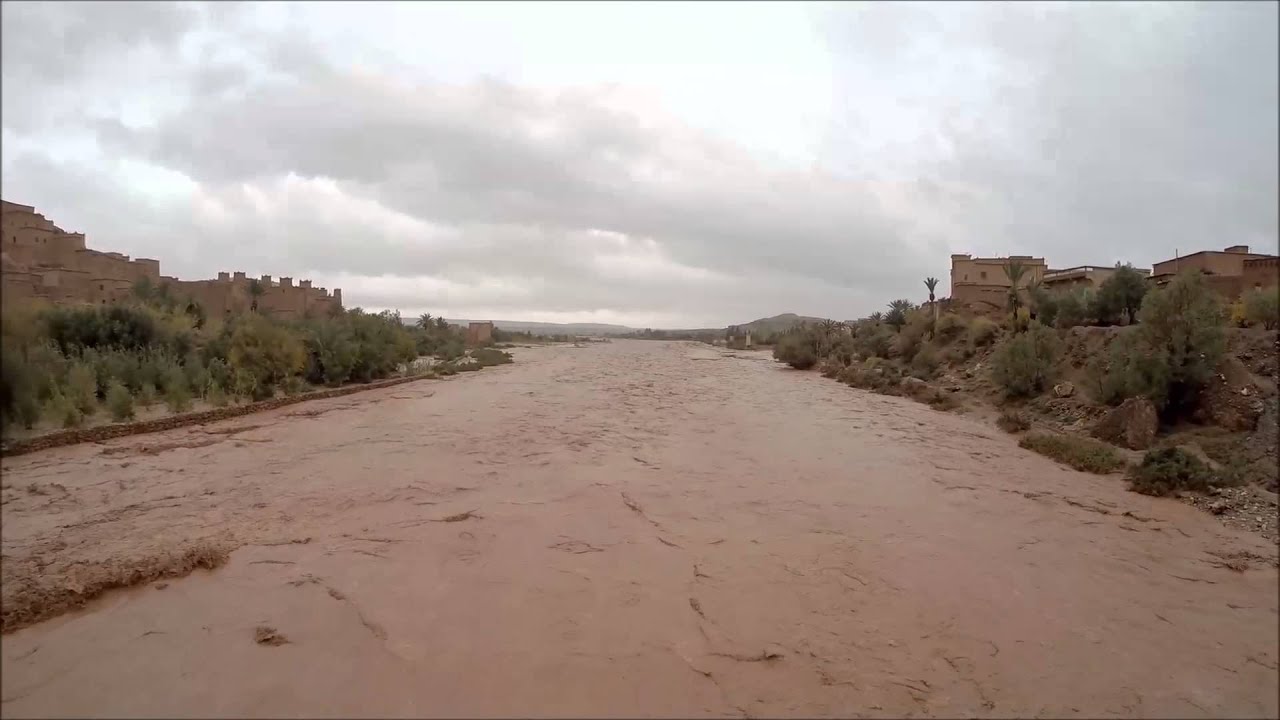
655, 529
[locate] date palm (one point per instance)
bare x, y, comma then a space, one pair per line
1014, 270
425, 321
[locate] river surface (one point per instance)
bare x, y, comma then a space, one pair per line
655, 529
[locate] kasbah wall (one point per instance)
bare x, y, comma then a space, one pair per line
38, 259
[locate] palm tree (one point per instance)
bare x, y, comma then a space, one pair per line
931, 283
442, 323
1014, 270
424, 321
897, 315
876, 317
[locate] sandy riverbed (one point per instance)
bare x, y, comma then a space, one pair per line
656, 529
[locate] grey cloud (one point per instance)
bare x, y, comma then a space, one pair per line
1087, 133
470, 155
1114, 131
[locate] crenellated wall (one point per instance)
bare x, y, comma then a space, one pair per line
38, 259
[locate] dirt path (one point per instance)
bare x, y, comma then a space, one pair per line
656, 530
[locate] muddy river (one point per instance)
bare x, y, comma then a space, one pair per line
626, 529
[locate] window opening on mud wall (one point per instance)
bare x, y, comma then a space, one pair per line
984, 274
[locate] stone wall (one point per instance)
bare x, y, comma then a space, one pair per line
40, 260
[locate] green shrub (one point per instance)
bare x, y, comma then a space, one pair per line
925, 364
215, 395
196, 373
950, 327
82, 388
294, 385
1262, 307
912, 334
19, 391
1120, 295
1079, 453
1127, 370
490, 356
982, 332
1012, 421
244, 384
147, 395
1023, 365
119, 401
1182, 328
797, 348
267, 352
177, 394
1167, 470
1072, 308
62, 410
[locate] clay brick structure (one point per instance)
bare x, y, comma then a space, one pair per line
1229, 272
479, 333
979, 285
38, 259
1081, 276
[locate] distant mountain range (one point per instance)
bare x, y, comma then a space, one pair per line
538, 328
769, 324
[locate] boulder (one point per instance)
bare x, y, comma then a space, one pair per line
918, 389
1132, 425
1064, 390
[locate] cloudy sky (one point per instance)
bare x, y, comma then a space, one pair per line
663, 165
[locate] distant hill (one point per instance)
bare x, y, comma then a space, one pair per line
779, 322
767, 325
538, 328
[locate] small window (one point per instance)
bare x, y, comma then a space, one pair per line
102, 287
984, 274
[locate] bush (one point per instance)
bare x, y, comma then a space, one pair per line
1120, 296
1167, 470
874, 340
147, 395
82, 388
177, 394
912, 334
61, 410
489, 356
215, 395
950, 327
294, 385
1073, 308
1262, 307
1079, 453
982, 332
266, 352
19, 393
1126, 370
926, 362
798, 348
1012, 421
1182, 329
119, 401
1024, 364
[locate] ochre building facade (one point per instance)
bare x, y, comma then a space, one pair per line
39, 260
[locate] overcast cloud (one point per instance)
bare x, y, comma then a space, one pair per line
664, 165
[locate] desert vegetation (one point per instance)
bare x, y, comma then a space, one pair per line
1127, 364
63, 365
